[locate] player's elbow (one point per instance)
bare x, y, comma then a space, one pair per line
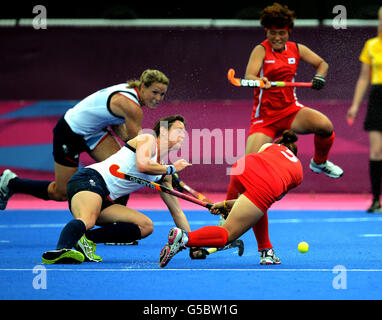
142, 166
323, 65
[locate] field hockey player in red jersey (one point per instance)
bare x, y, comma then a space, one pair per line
267, 176
277, 109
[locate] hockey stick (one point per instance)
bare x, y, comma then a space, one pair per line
260, 84
234, 244
196, 194
153, 185
176, 181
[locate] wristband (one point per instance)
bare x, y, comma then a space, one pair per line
225, 205
170, 169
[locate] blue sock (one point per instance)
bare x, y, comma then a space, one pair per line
36, 188
119, 232
72, 232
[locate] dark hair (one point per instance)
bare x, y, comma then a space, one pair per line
288, 140
278, 16
168, 122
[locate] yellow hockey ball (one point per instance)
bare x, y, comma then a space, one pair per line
303, 247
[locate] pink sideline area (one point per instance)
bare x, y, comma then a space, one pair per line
292, 201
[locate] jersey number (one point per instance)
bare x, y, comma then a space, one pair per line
289, 155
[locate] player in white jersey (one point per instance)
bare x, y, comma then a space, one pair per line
85, 128
94, 195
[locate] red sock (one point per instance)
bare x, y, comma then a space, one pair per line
210, 236
262, 233
322, 147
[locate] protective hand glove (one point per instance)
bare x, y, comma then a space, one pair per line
198, 253
318, 82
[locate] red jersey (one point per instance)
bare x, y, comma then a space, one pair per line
267, 176
277, 66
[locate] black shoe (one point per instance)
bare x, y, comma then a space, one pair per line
375, 207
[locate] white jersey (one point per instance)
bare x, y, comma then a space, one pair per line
126, 159
93, 114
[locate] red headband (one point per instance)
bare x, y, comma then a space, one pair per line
278, 28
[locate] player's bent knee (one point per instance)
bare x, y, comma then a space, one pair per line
326, 129
61, 197
146, 227
55, 193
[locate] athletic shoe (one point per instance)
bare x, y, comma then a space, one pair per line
177, 240
5, 192
268, 256
87, 248
329, 168
375, 207
63, 256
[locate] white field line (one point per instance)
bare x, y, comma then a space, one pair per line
207, 222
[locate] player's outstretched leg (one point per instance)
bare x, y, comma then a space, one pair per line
320, 162
5, 192
177, 240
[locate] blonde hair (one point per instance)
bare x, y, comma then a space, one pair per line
149, 77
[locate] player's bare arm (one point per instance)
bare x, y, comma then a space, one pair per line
173, 206
314, 59
121, 131
254, 65
145, 145
133, 114
360, 90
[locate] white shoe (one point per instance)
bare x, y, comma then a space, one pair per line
329, 168
268, 257
5, 192
177, 240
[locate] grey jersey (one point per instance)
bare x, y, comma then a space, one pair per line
125, 158
92, 114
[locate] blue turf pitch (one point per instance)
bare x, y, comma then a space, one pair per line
344, 261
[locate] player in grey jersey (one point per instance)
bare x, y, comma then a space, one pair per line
85, 128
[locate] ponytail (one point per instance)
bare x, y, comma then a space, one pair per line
288, 140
